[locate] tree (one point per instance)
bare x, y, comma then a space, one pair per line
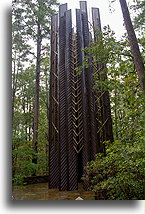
37, 23
116, 176
20, 56
31, 35
133, 43
137, 15
121, 83
119, 175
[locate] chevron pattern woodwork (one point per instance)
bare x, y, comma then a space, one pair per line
79, 117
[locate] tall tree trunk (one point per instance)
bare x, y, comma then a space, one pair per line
47, 93
133, 43
36, 99
116, 115
47, 107
14, 88
14, 85
30, 125
24, 104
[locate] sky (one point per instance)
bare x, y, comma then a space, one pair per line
114, 19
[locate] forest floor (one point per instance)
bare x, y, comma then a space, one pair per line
40, 191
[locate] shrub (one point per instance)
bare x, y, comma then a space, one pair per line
118, 175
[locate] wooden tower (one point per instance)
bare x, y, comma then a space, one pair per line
79, 117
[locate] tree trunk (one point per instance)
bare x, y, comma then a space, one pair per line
47, 93
116, 115
30, 125
14, 88
36, 99
133, 43
47, 107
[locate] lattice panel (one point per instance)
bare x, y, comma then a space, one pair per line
76, 101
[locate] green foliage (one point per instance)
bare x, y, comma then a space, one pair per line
19, 180
122, 82
23, 126
26, 17
118, 175
137, 12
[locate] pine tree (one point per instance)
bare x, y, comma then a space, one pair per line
133, 43
31, 35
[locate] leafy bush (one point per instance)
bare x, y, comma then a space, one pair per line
118, 175
18, 180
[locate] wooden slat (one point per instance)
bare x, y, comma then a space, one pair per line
103, 96
53, 109
63, 142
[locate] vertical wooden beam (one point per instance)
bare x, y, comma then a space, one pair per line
85, 25
53, 108
89, 85
80, 54
96, 21
105, 98
63, 141
62, 10
72, 155
97, 26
